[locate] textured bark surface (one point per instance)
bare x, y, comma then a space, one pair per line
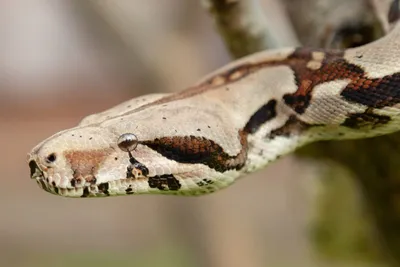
339, 24
243, 26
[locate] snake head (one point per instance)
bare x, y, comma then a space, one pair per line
94, 162
139, 153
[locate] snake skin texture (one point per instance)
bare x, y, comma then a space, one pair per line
233, 122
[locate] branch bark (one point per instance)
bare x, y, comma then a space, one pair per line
334, 24
244, 28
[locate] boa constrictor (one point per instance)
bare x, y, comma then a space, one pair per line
233, 122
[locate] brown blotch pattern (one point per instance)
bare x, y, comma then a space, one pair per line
85, 164
230, 75
204, 182
164, 182
86, 192
103, 187
196, 149
333, 67
371, 92
377, 93
367, 120
129, 191
374, 93
292, 126
262, 115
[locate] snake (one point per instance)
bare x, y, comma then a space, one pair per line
235, 121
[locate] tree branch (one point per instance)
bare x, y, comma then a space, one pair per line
243, 26
334, 24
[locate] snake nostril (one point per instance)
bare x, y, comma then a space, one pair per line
51, 158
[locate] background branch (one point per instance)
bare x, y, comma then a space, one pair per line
245, 28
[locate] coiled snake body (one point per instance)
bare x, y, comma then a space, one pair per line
234, 121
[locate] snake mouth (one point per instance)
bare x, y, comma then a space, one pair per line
39, 176
132, 184
36, 172
49, 186
118, 187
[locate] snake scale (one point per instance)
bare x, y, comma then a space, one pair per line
233, 122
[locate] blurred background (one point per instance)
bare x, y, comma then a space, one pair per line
61, 60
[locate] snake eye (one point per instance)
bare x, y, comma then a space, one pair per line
51, 158
127, 142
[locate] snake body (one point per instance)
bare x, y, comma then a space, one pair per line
233, 122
